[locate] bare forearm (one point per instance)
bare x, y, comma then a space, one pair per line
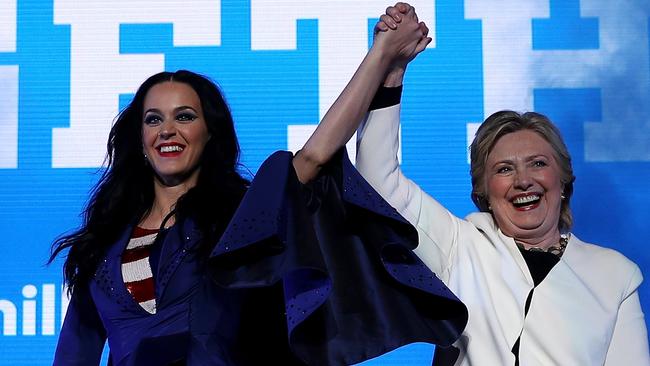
342, 119
390, 48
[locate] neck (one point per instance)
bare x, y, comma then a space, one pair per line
165, 199
541, 243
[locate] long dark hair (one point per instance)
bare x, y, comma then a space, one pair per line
125, 193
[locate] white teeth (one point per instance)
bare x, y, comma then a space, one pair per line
170, 148
525, 199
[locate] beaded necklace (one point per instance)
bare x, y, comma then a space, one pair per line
557, 250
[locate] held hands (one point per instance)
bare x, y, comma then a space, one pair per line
401, 37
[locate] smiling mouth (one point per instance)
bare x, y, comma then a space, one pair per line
170, 149
527, 201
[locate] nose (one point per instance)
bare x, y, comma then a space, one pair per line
167, 130
523, 180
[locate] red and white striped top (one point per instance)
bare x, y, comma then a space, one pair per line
136, 269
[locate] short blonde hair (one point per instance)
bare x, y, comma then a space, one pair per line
504, 122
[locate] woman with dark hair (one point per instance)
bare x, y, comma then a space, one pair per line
126, 190
144, 267
536, 294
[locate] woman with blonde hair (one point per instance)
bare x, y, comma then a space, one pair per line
536, 294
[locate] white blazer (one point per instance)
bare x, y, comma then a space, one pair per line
585, 312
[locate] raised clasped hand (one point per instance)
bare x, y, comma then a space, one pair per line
400, 35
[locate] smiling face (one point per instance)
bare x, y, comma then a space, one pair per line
174, 132
524, 187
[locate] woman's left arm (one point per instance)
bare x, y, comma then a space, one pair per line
629, 344
344, 116
82, 336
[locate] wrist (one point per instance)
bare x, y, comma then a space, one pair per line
386, 97
383, 56
394, 77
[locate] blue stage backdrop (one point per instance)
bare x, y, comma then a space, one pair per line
67, 66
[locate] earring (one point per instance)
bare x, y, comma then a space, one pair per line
562, 196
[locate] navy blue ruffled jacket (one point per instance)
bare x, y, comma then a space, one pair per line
321, 274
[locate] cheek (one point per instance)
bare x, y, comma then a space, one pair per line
496, 187
200, 136
552, 181
148, 136
204, 143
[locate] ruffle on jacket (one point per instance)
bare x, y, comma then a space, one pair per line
353, 288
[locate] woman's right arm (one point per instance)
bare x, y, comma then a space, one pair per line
82, 336
377, 149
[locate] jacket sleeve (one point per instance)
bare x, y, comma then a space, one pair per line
629, 344
343, 259
377, 149
82, 336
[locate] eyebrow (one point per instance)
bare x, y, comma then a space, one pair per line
501, 162
536, 156
185, 107
528, 158
177, 109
